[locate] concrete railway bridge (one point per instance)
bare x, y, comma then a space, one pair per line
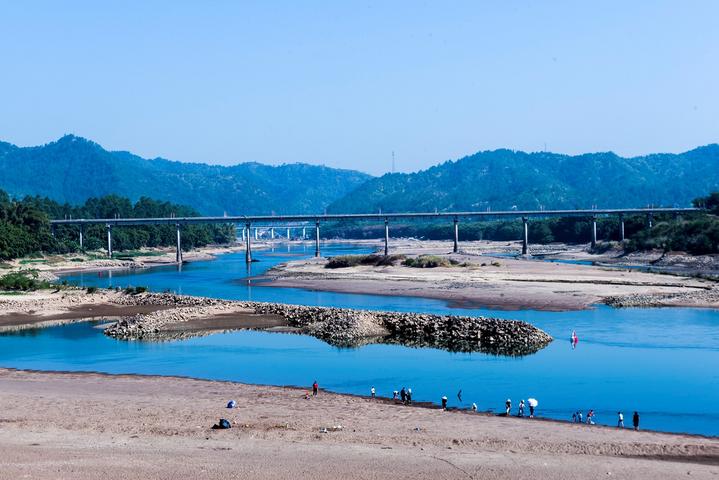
288, 222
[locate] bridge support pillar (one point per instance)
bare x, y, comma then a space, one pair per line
525, 235
272, 233
621, 228
248, 244
594, 232
244, 233
288, 234
386, 237
317, 238
455, 247
82, 239
255, 232
649, 220
304, 233
178, 251
109, 240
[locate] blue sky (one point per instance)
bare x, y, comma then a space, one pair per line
346, 83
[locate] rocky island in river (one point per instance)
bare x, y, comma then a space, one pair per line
153, 316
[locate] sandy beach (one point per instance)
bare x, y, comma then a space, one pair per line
88, 426
503, 283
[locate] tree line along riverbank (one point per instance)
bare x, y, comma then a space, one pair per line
25, 226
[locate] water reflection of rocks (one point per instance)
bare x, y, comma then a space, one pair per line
450, 346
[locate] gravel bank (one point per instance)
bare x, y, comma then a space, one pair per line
340, 326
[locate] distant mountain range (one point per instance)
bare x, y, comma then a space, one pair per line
74, 169
505, 179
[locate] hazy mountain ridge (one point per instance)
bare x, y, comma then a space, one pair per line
73, 169
503, 179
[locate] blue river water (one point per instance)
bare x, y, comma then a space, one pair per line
660, 362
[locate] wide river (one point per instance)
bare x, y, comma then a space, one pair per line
661, 362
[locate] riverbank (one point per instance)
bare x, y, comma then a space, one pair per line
86, 426
482, 280
50, 266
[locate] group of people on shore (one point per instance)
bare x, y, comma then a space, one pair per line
405, 396
577, 417
521, 407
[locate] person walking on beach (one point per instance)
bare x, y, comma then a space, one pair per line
395, 394
520, 409
635, 420
508, 406
474, 407
315, 388
444, 402
574, 417
372, 392
403, 395
409, 396
579, 417
620, 420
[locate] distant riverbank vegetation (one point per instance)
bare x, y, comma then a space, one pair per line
25, 226
374, 260
26, 280
696, 233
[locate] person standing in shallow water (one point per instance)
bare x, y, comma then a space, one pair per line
620, 420
635, 420
315, 388
508, 406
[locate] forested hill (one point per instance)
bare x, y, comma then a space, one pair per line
74, 169
503, 179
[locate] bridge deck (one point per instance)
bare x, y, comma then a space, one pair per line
368, 216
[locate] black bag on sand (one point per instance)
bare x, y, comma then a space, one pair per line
222, 425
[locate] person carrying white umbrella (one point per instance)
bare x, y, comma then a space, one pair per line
532, 405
